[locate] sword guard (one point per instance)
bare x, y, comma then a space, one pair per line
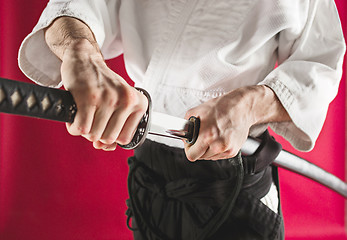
193, 130
143, 127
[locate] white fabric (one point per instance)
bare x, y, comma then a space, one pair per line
188, 51
271, 199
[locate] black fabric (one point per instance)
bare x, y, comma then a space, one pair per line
250, 219
258, 184
172, 198
258, 173
275, 177
265, 154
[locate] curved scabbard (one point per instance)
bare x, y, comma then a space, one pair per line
32, 100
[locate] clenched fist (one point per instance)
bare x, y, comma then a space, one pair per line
225, 121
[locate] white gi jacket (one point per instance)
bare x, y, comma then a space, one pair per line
185, 52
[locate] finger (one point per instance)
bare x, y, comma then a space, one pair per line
224, 155
124, 121
114, 126
189, 113
220, 150
215, 148
101, 118
83, 121
128, 131
105, 147
195, 151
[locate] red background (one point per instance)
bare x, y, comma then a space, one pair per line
55, 186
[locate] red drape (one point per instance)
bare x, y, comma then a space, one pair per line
55, 186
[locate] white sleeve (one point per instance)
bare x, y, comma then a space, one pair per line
308, 73
35, 58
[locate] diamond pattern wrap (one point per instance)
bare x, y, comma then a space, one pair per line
32, 100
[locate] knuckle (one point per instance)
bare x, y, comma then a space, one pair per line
122, 102
214, 148
127, 97
97, 145
189, 155
82, 129
130, 99
124, 139
87, 97
110, 100
143, 104
76, 130
190, 113
211, 134
109, 149
224, 145
107, 140
92, 137
72, 131
231, 153
220, 146
93, 97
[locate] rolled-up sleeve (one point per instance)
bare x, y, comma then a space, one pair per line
35, 58
308, 73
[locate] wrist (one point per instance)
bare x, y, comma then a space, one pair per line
81, 49
67, 33
265, 106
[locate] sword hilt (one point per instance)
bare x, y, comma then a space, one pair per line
193, 130
32, 100
28, 99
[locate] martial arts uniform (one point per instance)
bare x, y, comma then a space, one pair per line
187, 52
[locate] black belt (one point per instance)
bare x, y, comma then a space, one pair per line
186, 208
172, 198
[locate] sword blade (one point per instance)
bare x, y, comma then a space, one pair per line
168, 126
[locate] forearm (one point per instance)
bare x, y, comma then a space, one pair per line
265, 106
109, 109
73, 42
70, 33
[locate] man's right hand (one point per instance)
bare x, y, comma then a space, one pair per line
109, 109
